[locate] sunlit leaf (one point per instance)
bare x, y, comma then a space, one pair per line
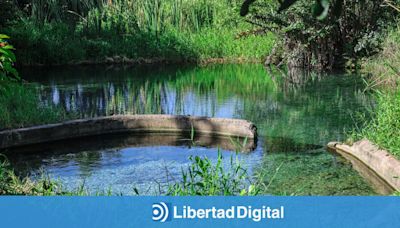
2, 36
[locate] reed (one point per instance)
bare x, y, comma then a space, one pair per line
59, 32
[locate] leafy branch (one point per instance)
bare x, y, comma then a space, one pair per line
7, 59
320, 8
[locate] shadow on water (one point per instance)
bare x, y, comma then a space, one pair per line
86, 150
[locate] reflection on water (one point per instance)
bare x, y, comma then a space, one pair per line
121, 161
296, 115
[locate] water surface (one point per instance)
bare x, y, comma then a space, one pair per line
296, 114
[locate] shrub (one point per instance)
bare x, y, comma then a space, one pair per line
7, 59
383, 68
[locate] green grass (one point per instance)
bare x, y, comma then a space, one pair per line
20, 107
384, 128
204, 178
173, 30
384, 75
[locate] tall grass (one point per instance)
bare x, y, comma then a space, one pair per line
43, 11
383, 68
177, 30
203, 177
384, 128
384, 78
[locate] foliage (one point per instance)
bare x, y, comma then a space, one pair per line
7, 12
7, 59
350, 30
384, 128
382, 70
10, 184
43, 11
175, 30
320, 8
203, 177
382, 76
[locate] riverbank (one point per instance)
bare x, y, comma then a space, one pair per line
383, 78
135, 32
124, 61
204, 47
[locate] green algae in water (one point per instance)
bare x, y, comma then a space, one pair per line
317, 173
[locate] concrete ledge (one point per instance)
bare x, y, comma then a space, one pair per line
127, 123
385, 165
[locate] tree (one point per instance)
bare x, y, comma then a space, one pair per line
340, 31
7, 59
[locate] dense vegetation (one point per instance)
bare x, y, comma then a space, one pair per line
383, 76
335, 37
152, 31
19, 104
128, 31
384, 129
383, 69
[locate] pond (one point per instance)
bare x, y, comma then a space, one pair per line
296, 113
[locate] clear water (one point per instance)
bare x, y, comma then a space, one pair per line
296, 114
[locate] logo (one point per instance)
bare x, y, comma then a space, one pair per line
166, 212
160, 212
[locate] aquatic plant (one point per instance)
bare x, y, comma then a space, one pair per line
203, 177
7, 59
